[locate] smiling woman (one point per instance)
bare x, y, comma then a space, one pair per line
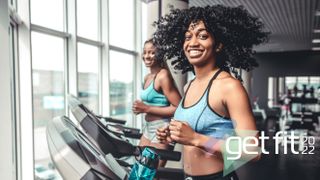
159, 98
210, 42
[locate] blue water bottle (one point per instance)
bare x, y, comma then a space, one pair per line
146, 166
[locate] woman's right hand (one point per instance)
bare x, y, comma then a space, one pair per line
139, 107
134, 107
163, 135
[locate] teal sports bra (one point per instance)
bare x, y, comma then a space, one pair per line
151, 96
202, 118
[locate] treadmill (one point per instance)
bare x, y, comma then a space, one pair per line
110, 142
116, 126
106, 139
76, 157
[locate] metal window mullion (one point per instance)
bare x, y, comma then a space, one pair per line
16, 86
25, 95
49, 31
16, 106
66, 64
72, 65
137, 120
100, 81
105, 50
89, 41
119, 49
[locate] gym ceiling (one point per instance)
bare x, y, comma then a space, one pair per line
294, 24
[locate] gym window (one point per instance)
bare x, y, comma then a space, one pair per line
85, 48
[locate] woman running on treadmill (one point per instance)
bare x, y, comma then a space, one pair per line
210, 42
159, 98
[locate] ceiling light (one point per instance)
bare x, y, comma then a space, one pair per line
316, 49
315, 40
316, 30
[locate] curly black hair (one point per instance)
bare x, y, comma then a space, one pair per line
234, 27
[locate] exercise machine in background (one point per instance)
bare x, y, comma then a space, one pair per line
75, 155
76, 150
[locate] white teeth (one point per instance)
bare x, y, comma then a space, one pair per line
195, 52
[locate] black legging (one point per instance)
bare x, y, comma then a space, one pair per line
215, 176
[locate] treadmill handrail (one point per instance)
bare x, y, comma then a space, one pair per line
164, 154
120, 146
109, 119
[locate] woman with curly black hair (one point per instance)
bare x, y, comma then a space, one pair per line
211, 42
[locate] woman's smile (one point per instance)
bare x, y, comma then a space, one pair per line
195, 53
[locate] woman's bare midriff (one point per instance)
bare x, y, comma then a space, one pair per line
152, 117
198, 162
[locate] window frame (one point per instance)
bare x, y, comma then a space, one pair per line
24, 122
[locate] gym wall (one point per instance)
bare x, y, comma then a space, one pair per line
280, 64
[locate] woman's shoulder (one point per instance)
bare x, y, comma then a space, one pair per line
163, 74
228, 83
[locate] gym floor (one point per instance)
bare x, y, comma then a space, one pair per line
282, 166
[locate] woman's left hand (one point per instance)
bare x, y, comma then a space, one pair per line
139, 107
182, 133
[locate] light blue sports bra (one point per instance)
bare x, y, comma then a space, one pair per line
202, 118
151, 96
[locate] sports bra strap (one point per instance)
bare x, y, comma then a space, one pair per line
154, 78
210, 82
144, 83
214, 77
188, 86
